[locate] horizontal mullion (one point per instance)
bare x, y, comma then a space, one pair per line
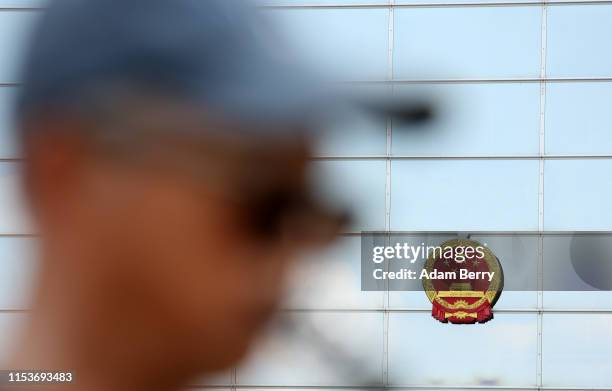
569, 311
369, 5
441, 4
572, 311
389, 387
500, 80
424, 157
462, 157
395, 232
494, 80
482, 232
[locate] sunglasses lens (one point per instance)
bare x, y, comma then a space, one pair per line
268, 212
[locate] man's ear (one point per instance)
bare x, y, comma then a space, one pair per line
54, 159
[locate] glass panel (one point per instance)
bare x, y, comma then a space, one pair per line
14, 29
348, 43
10, 326
14, 219
8, 145
319, 349
576, 350
22, 3
293, 388
425, 352
332, 279
476, 119
567, 260
474, 42
578, 118
578, 195
17, 267
321, 2
358, 185
577, 38
410, 300
451, 1
464, 195
358, 136
578, 300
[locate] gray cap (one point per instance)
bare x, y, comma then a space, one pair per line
211, 53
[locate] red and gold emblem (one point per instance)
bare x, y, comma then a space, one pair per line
463, 281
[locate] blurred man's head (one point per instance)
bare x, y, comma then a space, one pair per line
167, 175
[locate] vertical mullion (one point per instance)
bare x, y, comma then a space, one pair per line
541, 227
234, 378
389, 132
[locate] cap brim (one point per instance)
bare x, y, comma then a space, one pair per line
265, 91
